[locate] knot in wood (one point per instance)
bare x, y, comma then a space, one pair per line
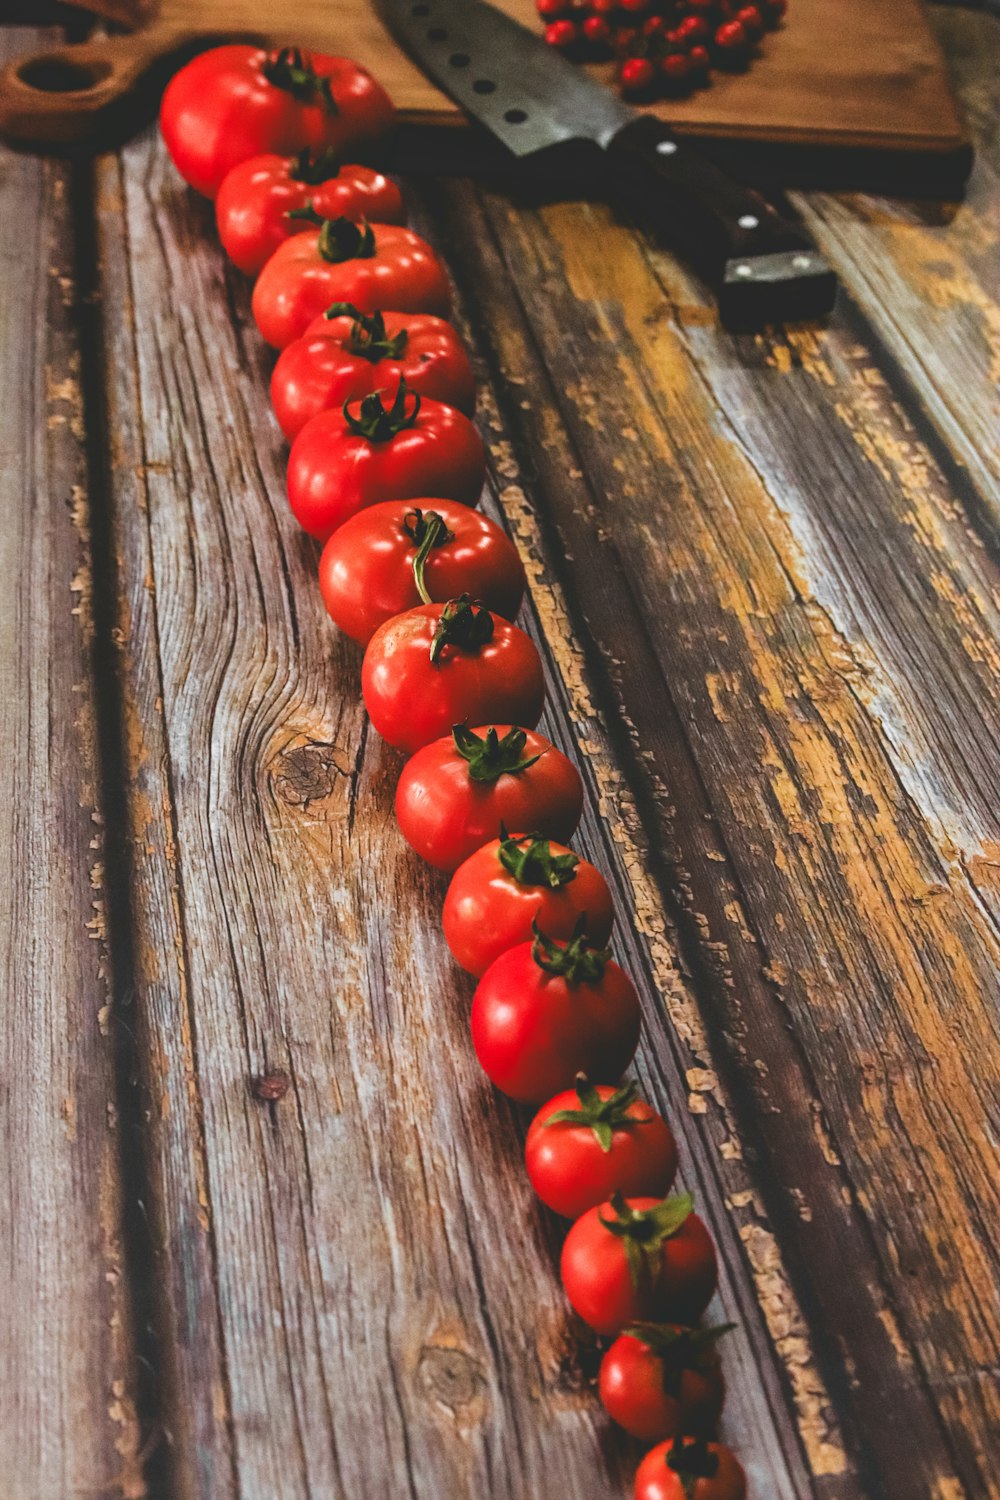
269, 1087
450, 1376
307, 773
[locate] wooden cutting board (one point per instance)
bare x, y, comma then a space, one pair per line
864, 77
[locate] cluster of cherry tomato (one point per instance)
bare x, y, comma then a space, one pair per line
375, 392
662, 46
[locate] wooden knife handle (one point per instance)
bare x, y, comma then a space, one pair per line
762, 267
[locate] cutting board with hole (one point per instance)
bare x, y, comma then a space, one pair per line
841, 89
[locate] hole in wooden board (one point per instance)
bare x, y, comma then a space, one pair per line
60, 75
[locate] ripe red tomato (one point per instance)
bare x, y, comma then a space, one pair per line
374, 267
497, 895
545, 1011
658, 1379
263, 201
690, 1469
234, 102
345, 354
592, 1141
461, 791
391, 557
445, 664
636, 1259
342, 461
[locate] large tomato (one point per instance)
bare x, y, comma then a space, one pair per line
445, 664
345, 354
342, 461
594, 1140
658, 1379
266, 199
374, 267
461, 791
545, 1011
635, 1260
238, 101
390, 557
499, 893
686, 1468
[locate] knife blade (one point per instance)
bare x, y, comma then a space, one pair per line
762, 267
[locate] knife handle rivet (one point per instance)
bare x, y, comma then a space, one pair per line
514, 116
459, 59
748, 221
437, 34
484, 86
744, 270
666, 148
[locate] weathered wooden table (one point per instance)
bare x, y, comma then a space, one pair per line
765, 575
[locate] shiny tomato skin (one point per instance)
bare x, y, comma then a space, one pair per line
256, 197
220, 109
534, 1031
319, 372
570, 1171
655, 1480
366, 570
631, 1388
297, 284
334, 472
445, 816
413, 701
597, 1282
487, 911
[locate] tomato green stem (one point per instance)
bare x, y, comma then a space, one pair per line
576, 960
368, 336
644, 1231
463, 624
428, 531
377, 423
691, 1459
530, 860
289, 69
491, 757
603, 1116
339, 239
314, 167
679, 1349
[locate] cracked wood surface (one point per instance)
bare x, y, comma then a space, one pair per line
764, 578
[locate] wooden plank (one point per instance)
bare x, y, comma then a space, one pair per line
377, 1305
802, 633
68, 1419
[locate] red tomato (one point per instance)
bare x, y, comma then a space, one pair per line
592, 1141
658, 1379
458, 793
343, 461
444, 664
390, 557
690, 1469
636, 1259
345, 354
497, 895
545, 1011
263, 201
239, 101
375, 267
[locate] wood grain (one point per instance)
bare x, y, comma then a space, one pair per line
68, 1420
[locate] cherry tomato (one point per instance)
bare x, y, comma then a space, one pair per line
391, 557
342, 461
690, 1469
345, 354
501, 890
658, 1379
461, 791
262, 202
639, 1259
234, 102
595, 1140
444, 664
374, 267
545, 1011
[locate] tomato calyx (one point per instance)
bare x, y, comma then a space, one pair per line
679, 1349
644, 1231
530, 860
368, 336
378, 423
289, 69
339, 239
491, 757
464, 624
577, 960
692, 1459
315, 167
426, 530
602, 1116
